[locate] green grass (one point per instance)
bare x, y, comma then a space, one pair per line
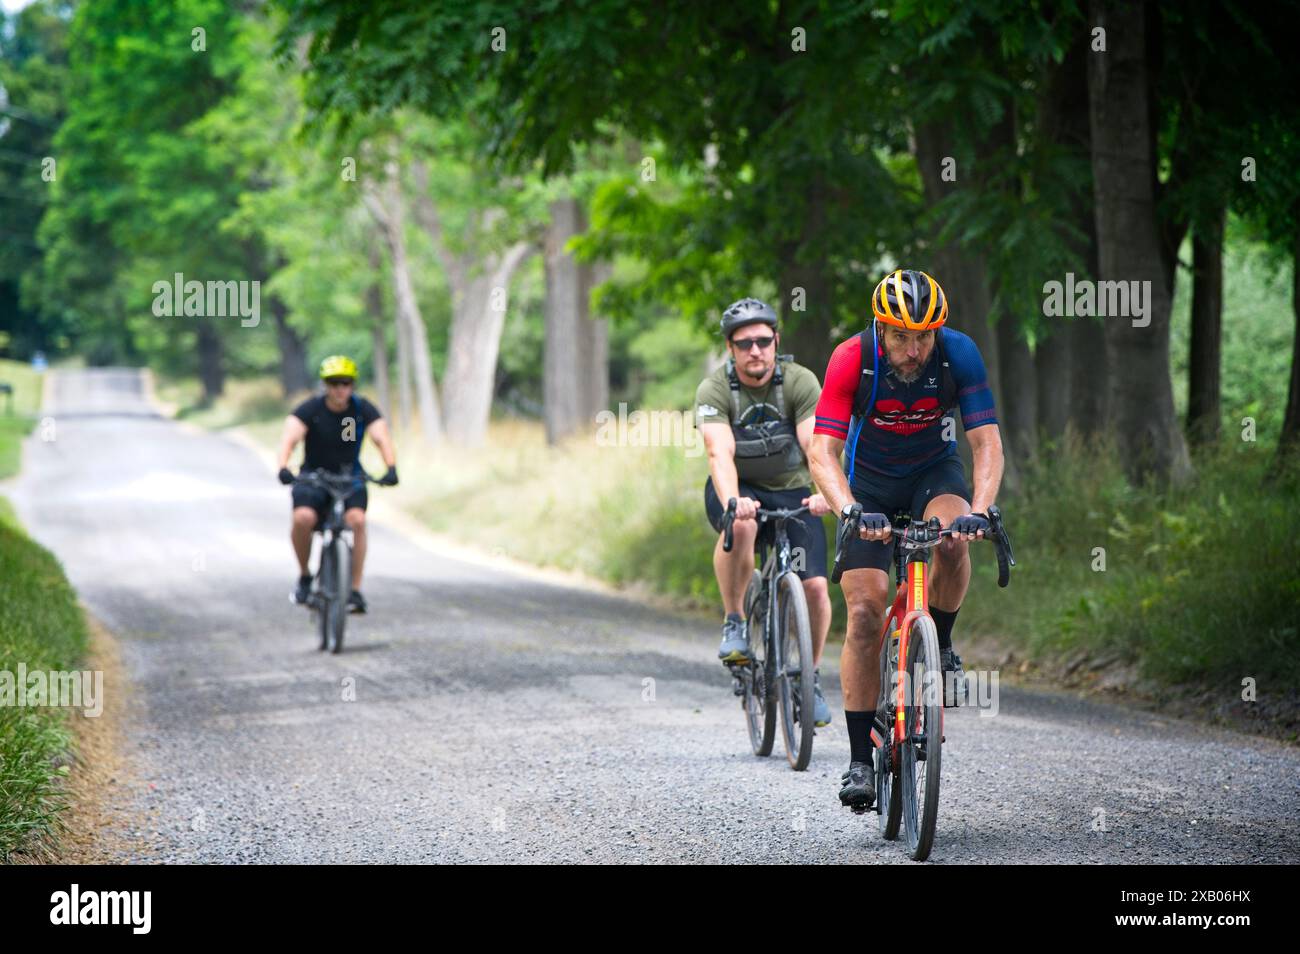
1200, 584
42, 626
26, 403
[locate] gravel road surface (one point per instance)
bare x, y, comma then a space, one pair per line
483, 714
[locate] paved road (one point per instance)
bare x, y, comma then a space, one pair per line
502, 718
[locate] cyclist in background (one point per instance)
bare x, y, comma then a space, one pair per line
333, 425
755, 414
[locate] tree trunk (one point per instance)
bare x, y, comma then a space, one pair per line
1072, 357
1203, 410
379, 337
568, 282
405, 398
474, 344
212, 366
807, 334
386, 207
1289, 440
294, 376
1129, 246
962, 273
565, 312
1019, 412
595, 352
1052, 371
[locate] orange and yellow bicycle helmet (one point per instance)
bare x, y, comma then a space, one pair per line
910, 299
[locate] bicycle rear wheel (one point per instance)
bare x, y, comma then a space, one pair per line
794, 670
760, 710
922, 751
342, 589
888, 803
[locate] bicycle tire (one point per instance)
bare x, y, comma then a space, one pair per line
321, 598
794, 632
922, 717
888, 804
760, 713
342, 589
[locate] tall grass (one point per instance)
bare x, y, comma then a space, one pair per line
17, 411
42, 626
1196, 583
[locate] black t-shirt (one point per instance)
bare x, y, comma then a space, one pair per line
334, 440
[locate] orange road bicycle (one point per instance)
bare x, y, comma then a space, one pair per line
908, 743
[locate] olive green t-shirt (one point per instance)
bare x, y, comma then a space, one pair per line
713, 405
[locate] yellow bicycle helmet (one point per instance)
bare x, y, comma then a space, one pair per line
338, 366
910, 299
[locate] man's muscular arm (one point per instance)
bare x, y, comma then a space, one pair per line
986, 448
824, 462
720, 444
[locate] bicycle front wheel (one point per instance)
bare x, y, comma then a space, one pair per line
322, 599
795, 670
923, 738
342, 589
888, 802
760, 710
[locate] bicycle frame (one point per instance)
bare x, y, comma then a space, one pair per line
911, 602
775, 564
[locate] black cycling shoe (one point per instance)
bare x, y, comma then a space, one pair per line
859, 791
951, 663
356, 602
302, 592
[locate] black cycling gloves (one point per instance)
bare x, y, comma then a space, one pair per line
286, 475
389, 479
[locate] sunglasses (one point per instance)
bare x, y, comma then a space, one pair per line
746, 344
337, 382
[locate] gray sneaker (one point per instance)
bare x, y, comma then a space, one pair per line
735, 642
821, 711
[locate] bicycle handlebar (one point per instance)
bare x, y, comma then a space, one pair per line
919, 536
331, 481
729, 520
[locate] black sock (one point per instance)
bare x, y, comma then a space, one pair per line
943, 621
859, 724
305, 578
733, 618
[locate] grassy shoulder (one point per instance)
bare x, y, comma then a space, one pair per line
41, 629
17, 411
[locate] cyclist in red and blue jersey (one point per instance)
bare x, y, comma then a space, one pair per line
888, 397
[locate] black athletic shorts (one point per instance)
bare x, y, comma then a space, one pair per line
805, 531
890, 495
318, 498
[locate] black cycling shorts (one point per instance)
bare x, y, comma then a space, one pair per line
805, 531
890, 495
318, 498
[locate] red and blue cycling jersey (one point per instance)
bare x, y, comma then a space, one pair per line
904, 432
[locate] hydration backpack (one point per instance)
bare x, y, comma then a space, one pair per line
770, 448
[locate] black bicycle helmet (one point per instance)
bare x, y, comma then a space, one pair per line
747, 311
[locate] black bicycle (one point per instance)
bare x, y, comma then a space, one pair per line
780, 670
332, 583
